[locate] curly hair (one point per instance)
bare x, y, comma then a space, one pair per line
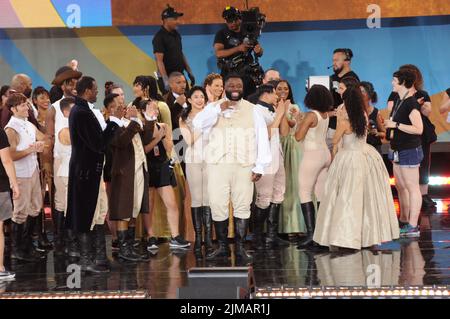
354, 104
210, 78
319, 98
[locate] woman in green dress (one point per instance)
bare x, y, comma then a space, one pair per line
291, 217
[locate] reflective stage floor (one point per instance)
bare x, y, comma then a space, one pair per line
422, 261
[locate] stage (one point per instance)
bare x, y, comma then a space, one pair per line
405, 262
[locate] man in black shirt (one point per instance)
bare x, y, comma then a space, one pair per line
176, 100
342, 59
168, 49
232, 50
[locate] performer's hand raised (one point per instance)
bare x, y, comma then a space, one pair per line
225, 105
181, 99
160, 132
131, 112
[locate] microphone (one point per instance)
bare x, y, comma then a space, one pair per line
329, 67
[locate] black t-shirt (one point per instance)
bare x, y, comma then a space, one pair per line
231, 39
169, 43
335, 80
4, 180
419, 94
428, 128
401, 140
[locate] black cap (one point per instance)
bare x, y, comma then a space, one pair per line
231, 14
170, 12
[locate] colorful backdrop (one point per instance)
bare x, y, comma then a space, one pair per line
112, 40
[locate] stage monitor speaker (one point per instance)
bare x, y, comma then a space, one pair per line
218, 283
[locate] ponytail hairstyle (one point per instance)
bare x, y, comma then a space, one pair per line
373, 97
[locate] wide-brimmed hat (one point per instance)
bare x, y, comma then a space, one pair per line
65, 73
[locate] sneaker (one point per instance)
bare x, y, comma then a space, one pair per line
409, 231
152, 244
115, 245
179, 242
6, 275
402, 224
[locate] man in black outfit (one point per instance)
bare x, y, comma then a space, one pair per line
168, 49
342, 59
176, 100
85, 170
230, 45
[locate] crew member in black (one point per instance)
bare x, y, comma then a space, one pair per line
168, 49
232, 50
342, 59
429, 131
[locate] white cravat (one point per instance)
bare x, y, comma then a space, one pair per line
98, 115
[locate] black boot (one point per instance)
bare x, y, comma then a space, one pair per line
272, 239
240, 230
222, 237
17, 251
125, 249
197, 220
309, 215
427, 202
85, 242
100, 257
27, 239
138, 250
72, 246
207, 226
43, 242
259, 220
58, 230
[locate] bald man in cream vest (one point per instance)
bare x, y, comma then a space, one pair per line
237, 153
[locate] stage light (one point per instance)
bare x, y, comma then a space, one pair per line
354, 292
77, 295
433, 181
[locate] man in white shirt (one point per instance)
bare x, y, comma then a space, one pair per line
237, 154
65, 79
25, 141
271, 187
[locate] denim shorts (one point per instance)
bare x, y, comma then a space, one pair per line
407, 158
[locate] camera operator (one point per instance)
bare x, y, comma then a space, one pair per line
342, 59
230, 44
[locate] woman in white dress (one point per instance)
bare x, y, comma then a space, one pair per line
357, 210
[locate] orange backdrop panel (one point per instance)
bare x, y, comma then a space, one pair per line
148, 12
